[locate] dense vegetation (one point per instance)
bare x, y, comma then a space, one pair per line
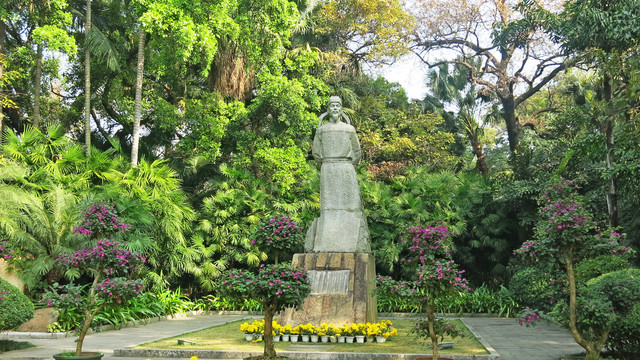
193, 122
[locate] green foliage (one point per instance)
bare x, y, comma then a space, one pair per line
481, 300
205, 121
157, 188
621, 288
9, 345
217, 303
624, 338
602, 25
592, 268
284, 165
483, 230
533, 287
366, 30
15, 307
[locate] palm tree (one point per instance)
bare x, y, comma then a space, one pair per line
38, 223
87, 81
454, 89
157, 186
135, 136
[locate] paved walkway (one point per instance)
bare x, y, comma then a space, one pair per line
544, 342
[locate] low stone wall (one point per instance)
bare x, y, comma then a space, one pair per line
293, 355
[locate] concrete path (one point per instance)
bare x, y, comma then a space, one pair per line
106, 341
546, 341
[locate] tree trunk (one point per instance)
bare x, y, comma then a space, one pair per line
607, 128
89, 314
37, 87
3, 30
230, 75
431, 318
135, 136
592, 350
509, 116
87, 82
269, 349
471, 128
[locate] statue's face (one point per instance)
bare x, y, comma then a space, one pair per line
334, 109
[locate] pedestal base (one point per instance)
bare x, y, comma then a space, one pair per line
352, 302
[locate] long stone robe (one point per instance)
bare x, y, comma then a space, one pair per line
342, 226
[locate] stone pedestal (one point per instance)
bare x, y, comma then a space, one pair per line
341, 289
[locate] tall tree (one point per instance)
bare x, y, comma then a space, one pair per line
516, 59
3, 99
135, 136
364, 31
452, 88
50, 20
87, 80
606, 29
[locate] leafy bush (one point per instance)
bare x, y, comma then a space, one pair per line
532, 287
477, 301
218, 303
624, 339
15, 307
10, 345
592, 268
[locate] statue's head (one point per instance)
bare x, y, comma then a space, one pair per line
334, 111
335, 99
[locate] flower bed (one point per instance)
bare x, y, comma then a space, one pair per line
373, 332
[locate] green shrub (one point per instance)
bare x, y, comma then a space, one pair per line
533, 288
592, 268
624, 338
15, 307
480, 300
621, 288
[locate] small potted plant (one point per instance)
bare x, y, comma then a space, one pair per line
349, 332
286, 332
359, 332
112, 267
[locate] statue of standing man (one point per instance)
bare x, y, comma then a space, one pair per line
342, 226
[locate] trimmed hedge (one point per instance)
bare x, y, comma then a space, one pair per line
15, 307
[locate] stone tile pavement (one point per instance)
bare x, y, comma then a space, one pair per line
545, 341
506, 337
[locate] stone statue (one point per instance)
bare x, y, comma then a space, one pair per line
342, 226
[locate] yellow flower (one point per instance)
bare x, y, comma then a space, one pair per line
193, 358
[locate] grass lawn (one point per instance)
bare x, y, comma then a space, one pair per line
229, 337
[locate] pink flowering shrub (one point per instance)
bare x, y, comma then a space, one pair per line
277, 235
566, 240
275, 287
100, 220
529, 317
432, 275
112, 268
6, 252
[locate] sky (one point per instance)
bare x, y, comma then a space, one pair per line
410, 72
